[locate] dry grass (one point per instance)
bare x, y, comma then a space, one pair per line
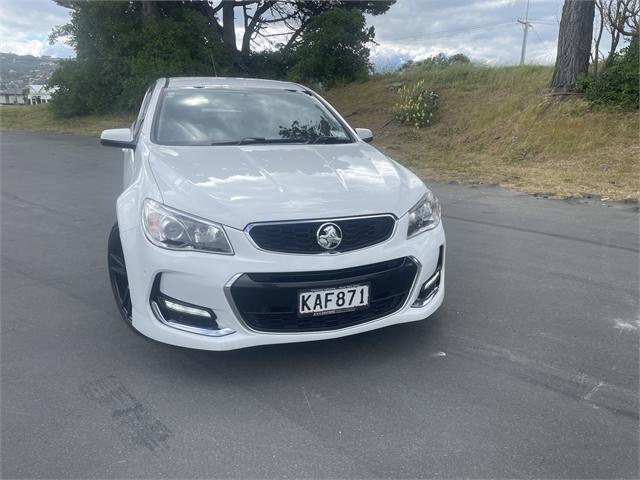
40, 118
496, 126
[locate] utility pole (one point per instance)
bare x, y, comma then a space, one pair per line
526, 25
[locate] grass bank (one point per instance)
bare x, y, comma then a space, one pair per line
39, 118
496, 126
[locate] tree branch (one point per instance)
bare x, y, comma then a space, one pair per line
252, 25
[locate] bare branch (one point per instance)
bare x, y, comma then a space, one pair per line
215, 10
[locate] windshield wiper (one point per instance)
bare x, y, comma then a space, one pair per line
259, 140
244, 141
329, 139
249, 140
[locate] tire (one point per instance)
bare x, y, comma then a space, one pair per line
118, 276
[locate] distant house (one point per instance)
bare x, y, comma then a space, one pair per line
13, 96
31, 95
38, 94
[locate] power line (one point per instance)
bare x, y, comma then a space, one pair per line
543, 21
449, 33
549, 52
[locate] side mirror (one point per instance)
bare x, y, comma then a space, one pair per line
365, 134
117, 137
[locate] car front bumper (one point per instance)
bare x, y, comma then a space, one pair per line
205, 279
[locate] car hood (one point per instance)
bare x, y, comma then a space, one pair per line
238, 185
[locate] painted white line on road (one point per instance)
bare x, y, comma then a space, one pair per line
626, 326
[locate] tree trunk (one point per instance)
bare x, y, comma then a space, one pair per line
149, 8
229, 26
253, 24
615, 39
246, 41
596, 59
296, 34
574, 44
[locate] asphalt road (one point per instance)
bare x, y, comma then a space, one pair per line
530, 368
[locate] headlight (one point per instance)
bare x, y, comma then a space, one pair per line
169, 228
425, 215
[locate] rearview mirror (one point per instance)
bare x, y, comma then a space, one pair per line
365, 134
117, 137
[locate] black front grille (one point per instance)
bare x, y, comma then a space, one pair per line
267, 302
301, 237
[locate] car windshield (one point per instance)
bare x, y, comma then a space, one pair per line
254, 116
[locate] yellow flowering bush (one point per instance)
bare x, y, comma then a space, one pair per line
416, 105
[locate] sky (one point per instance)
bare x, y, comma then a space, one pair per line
485, 30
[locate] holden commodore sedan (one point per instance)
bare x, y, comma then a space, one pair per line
252, 213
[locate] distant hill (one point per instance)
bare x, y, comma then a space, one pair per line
17, 71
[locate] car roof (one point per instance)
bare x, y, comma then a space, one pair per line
227, 82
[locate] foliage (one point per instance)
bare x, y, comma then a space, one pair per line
289, 17
439, 60
119, 53
619, 83
172, 47
271, 64
416, 105
333, 49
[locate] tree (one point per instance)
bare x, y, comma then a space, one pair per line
619, 83
121, 47
595, 56
574, 44
334, 48
621, 18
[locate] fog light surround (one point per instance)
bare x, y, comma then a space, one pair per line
185, 316
429, 288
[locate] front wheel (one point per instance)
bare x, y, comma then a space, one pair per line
118, 276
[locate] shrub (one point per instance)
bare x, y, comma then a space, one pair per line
71, 95
618, 84
333, 49
436, 61
416, 105
271, 64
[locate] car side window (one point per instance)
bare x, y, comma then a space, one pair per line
137, 124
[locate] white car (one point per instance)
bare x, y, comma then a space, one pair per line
253, 214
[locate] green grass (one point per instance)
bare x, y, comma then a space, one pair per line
499, 126
39, 118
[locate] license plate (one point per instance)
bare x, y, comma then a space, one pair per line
333, 300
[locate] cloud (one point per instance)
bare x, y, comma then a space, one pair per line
37, 48
485, 30
388, 61
25, 26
